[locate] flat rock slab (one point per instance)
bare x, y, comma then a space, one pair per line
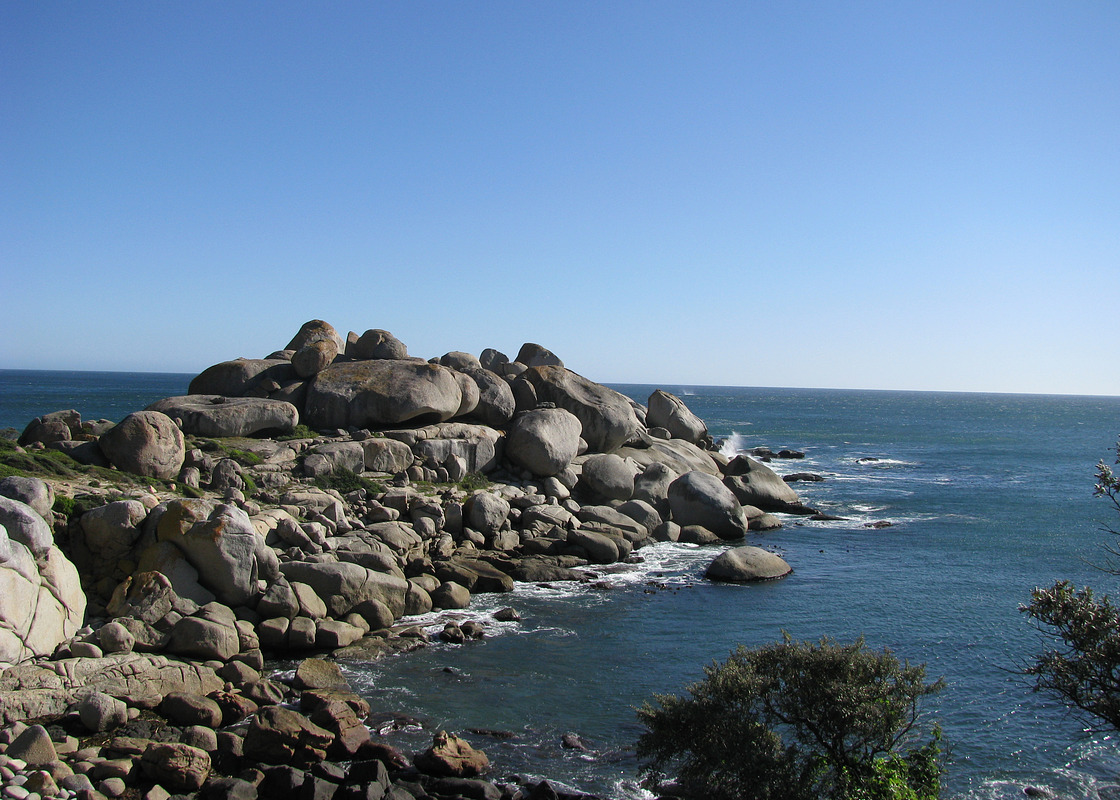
217, 415
746, 565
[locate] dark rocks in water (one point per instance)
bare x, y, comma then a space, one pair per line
867, 460
879, 524
820, 516
810, 477
493, 734
765, 453
572, 741
452, 757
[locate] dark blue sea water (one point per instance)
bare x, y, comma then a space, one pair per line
988, 496
26, 394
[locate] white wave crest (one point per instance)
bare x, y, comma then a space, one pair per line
733, 445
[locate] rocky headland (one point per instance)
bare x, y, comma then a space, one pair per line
306, 505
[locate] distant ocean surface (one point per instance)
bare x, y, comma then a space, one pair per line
988, 496
26, 394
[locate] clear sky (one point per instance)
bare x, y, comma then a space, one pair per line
855, 195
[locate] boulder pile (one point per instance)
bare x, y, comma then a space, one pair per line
312, 502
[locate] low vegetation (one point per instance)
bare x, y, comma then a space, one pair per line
797, 721
300, 431
345, 481
48, 463
1081, 667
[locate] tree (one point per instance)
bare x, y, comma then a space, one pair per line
796, 720
1082, 667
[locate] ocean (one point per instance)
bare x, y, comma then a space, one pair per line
987, 496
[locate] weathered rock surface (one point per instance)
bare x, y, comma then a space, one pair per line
216, 415
378, 344
746, 565
221, 543
606, 417
697, 498
452, 757
24, 525
543, 441
381, 393
755, 484
669, 411
30, 491
609, 476
242, 376
495, 405
145, 443
41, 598
344, 586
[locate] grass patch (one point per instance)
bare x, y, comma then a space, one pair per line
224, 449
473, 481
300, 431
56, 464
345, 481
71, 507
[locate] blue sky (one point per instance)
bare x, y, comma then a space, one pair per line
853, 195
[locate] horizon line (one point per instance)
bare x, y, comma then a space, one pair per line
663, 384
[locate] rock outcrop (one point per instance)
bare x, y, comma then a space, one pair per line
413, 486
221, 416
747, 565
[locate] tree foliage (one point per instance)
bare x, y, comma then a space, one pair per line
1082, 664
796, 720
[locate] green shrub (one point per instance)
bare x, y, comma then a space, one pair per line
474, 481
797, 721
345, 481
244, 457
64, 505
300, 431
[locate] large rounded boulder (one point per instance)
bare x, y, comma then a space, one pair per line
747, 565
609, 476
697, 498
543, 441
669, 411
382, 393
314, 357
215, 415
378, 344
316, 330
145, 443
755, 484
242, 376
606, 417
495, 398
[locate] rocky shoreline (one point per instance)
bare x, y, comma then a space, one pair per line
307, 505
